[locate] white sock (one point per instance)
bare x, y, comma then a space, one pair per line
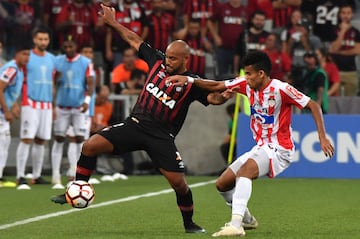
22, 154
56, 156
4, 150
241, 197
247, 216
228, 196
79, 148
72, 155
37, 156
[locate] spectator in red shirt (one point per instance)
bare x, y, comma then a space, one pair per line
202, 10
266, 7
331, 70
192, 35
52, 8
282, 10
280, 61
250, 39
161, 26
167, 5
225, 27
79, 20
24, 21
345, 48
132, 16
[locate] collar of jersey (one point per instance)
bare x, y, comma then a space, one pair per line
73, 59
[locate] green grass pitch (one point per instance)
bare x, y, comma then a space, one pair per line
285, 208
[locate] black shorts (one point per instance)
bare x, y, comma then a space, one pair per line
129, 136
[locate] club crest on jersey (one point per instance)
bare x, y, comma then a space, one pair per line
271, 100
160, 95
161, 75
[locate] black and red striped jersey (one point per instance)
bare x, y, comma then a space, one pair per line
162, 107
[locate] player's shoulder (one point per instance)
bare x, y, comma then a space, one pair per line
85, 59
50, 54
10, 64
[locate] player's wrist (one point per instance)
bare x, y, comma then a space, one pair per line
190, 79
87, 99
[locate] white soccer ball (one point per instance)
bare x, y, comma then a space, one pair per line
80, 194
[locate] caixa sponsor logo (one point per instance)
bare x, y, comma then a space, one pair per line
347, 147
160, 95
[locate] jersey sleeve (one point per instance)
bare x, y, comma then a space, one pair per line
8, 75
239, 83
291, 95
149, 54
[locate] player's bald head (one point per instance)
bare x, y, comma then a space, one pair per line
179, 47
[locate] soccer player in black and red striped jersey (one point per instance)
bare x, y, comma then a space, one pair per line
157, 117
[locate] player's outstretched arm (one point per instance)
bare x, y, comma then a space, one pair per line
325, 143
108, 16
210, 85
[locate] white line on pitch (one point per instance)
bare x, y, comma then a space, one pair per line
120, 200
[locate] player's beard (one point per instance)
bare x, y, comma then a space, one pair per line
173, 71
41, 48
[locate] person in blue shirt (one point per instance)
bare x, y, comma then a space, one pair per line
74, 88
36, 109
11, 81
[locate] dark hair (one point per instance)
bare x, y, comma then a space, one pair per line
24, 45
313, 55
40, 29
137, 74
258, 60
87, 46
258, 12
348, 4
325, 53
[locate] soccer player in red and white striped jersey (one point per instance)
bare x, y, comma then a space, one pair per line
271, 102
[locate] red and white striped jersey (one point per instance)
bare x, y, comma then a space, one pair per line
271, 110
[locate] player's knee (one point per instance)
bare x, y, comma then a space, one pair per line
88, 149
79, 139
96, 145
26, 141
221, 186
39, 141
179, 185
60, 139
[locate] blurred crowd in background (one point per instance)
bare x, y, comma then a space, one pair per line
295, 33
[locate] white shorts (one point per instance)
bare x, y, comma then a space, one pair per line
67, 117
4, 125
70, 132
270, 158
35, 123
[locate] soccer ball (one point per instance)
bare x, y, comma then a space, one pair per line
80, 194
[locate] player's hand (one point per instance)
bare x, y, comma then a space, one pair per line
327, 147
8, 116
107, 14
53, 113
15, 110
84, 108
176, 80
227, 94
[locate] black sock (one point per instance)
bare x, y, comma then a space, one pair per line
186, 206
85, 167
